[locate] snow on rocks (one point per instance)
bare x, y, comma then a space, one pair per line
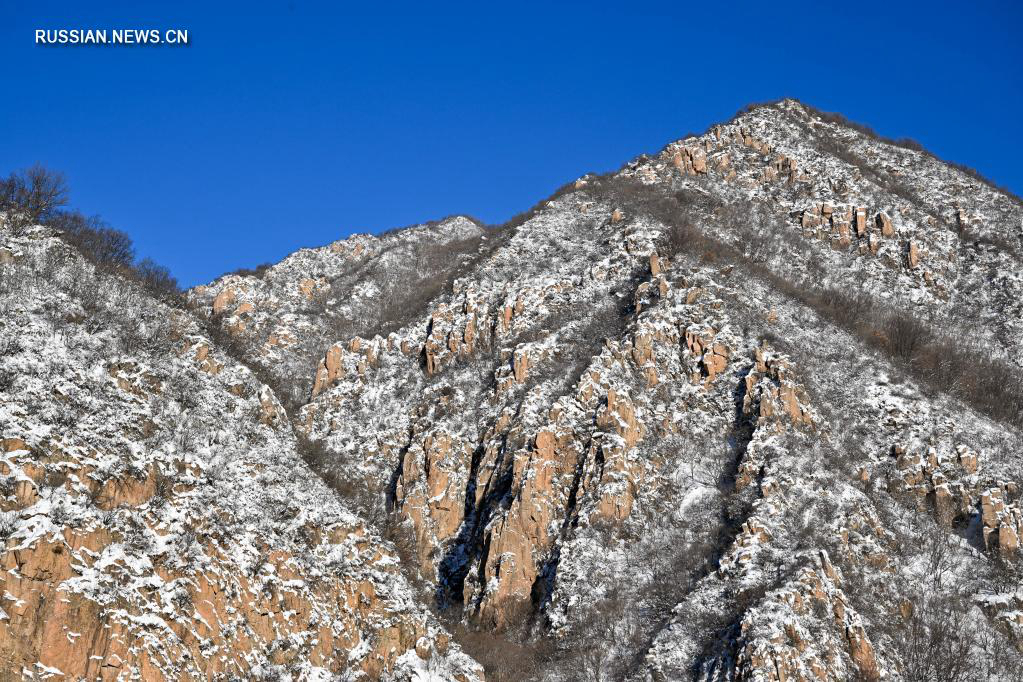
158, 521
591, 417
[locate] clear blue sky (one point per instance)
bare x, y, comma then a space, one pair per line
289, 124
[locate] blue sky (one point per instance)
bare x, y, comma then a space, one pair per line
290, 124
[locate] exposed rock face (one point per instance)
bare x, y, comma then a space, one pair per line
430, 491
692, 160
223, 300
912, 254
842, 225
804, 628
635, 435
796, 653
770, 391
884, 224
1003, 523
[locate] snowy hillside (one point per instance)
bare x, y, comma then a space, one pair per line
750, 408
158, 522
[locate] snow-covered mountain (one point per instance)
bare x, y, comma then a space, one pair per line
158, 520
749, 408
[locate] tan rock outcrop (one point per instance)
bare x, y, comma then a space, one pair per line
611, 479
937, 482
1003, 522
771, 392
520, 539
520, 365
699, 160
800, 653
223, 300
713, 354
207, 362
219, 618
841, 237
861, 222
330, 369
690, 160
884, 223
270, 411
619, 414
430, 491
967, 459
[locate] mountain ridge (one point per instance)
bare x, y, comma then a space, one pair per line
834, 117
747, 408
804, 203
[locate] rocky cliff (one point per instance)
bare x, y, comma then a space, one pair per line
748, 408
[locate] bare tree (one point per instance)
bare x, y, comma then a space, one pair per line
45, 192
32, 196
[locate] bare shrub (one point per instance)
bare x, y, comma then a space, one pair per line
32, 196
904, 336
679, 234
36, 196
8, 524
936, 642
46, 192
356, 491
407, 295
97, 241
257, 271
156, 279
503, 658
907, 143
7, 379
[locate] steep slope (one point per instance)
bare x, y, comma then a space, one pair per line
282, 319
897, 222
157, 520
749, 408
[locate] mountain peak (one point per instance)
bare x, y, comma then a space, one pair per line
750, 407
